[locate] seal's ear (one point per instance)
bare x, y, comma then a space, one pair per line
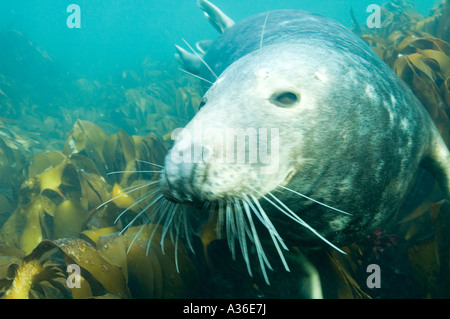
437, 161
219, 20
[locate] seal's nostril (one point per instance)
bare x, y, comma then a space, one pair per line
202, 103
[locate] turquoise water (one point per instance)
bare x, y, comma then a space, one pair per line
117, 34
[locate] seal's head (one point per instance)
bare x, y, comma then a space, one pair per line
281, 122
232, 146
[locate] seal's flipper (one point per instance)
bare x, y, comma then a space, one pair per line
190, 61
438, 162
219, 20
203, 45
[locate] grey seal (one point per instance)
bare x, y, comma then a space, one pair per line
350, 135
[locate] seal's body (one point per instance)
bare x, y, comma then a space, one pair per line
351, 135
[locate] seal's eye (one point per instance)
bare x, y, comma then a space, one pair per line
202, 103
284, 99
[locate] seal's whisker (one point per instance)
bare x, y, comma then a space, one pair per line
289, 213
265, 219
210, 206
196, 76
127, 191
262, 32
135, 237
169, 211
266, 222
167, 225
137, 202
181, 220
175, 227
241, 225
150, 163
187, 228
205, 206
273, 233
201, 59
315, 201
259, 249
176, 252
123, 172
146, 222
140, 213
247, 229
247, 206
230, 228
162, 204
161, 213
220, 220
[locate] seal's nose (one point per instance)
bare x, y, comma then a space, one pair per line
177, 180
169, 192
174, 180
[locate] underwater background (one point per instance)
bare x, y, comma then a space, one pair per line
79, 103
116, 35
